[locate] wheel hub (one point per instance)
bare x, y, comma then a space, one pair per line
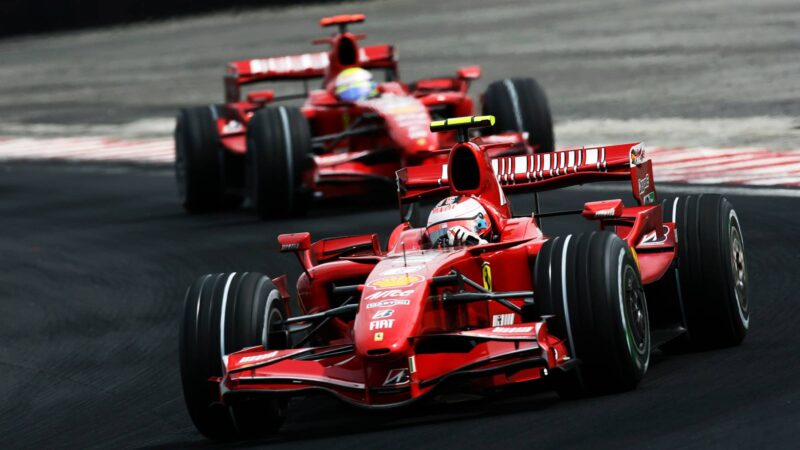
636, 309
738, 268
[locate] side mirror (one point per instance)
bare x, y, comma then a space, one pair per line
294, 242
469, 73
605, 209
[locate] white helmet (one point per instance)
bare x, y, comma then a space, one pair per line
458, 220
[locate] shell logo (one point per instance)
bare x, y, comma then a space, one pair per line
395, 281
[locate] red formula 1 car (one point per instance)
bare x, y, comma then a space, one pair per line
282, 156
383, 327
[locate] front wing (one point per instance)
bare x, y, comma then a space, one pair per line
491, 357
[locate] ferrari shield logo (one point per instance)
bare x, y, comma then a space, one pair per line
486, 271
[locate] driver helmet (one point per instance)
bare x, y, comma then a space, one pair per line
354, 84
458, 220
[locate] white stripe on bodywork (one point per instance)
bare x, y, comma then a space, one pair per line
520, 164
591, 156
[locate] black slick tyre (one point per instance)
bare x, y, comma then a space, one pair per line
278, 150
712, 272
224, 313
198, 162
590, 284
520, 104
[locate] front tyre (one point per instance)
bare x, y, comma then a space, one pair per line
591, 284
224, 313
520, 104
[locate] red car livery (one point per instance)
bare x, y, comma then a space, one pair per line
281, 157
384, 326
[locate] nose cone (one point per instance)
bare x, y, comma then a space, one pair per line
388, 314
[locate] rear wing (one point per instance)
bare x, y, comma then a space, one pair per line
299, 67
544, 171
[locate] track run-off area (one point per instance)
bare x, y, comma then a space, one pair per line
96, 252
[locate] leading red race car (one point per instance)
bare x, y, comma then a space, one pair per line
335, 144
477, 297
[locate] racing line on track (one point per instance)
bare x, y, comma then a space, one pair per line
697, 165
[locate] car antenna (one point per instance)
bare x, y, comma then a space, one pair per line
403, 244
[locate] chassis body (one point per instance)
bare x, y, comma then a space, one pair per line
354, 145
399, 322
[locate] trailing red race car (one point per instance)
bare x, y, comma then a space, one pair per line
475, 297
348, 136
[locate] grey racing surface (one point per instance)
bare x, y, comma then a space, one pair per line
596, 59
95, 259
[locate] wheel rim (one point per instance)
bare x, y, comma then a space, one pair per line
274, 323
738, 269
635, 310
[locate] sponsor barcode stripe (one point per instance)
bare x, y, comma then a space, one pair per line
699, 165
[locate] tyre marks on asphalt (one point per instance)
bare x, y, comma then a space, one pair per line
695, 165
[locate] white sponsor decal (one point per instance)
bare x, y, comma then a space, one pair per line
381, 324
402, 270
382, 314
644, 183
610, 212
257, 358
387, 303
390, 293
502, 319
421, 257
652, 238
315, 61
513, 330
396, 377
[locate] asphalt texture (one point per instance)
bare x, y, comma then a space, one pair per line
94, 260
596, 59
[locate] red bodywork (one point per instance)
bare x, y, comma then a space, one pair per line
358, 143
407, 338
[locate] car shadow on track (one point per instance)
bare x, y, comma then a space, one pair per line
321, 417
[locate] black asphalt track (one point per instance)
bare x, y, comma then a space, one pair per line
94, 262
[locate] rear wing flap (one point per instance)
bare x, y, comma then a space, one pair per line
545, 171
299, 67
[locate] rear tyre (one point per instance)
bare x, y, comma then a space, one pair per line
205, 337
198, 162
278, 149
591, 284
712, 272
520, 104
